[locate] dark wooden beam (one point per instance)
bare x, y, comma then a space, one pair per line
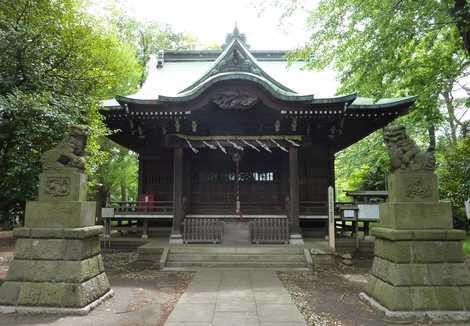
178, 212
294, 189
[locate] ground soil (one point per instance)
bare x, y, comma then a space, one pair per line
329, 296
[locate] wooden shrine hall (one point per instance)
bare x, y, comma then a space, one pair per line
224, 135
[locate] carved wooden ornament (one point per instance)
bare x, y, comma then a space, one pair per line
235, 101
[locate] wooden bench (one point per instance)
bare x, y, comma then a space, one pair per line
269, 230
202, 230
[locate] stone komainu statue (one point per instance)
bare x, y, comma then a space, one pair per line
69, 153
404, 153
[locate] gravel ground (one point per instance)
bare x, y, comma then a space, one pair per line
330, 296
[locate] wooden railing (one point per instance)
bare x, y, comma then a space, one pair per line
142, 207
202, 230
269, 230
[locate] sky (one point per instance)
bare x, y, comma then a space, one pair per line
211, 20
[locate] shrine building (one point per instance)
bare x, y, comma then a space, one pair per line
234, 135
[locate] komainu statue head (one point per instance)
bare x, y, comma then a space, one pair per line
69, 153
404, 153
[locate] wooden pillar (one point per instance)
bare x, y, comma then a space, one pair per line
284, 184
176, 236
140, 185
295, 234
187, 182
145, 229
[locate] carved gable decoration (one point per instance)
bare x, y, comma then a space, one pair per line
235, 100
236, 61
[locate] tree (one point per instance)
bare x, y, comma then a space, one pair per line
394, 48
55, 62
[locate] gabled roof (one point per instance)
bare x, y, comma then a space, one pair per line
234, 59
179, 76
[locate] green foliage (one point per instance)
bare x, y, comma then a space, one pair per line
55, 62
454, 176
34, 122
117, 177
148, 37
466, 246
362, 166
393, 48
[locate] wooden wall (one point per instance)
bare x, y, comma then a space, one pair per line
209, 179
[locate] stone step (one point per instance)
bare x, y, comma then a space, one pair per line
237, 250
239, 264
233, 257
274, 258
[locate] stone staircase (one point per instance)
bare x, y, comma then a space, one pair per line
199, 257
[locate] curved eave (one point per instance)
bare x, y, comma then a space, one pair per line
227, 76
346, 99
235, 43
405, 103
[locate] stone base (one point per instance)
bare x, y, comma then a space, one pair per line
55, 267
420, 316
322, 258
176, 238
296, 239
67, 214
419, 270
57, 311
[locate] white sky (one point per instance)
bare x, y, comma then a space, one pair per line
211, 20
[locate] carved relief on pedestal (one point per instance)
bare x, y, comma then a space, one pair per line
417, 187
57, 186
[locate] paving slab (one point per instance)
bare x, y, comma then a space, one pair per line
231, 297
193, 312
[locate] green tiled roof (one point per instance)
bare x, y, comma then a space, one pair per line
370, 103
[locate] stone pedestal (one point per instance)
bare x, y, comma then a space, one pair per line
57, 266
176, 238
418, 270
296, 239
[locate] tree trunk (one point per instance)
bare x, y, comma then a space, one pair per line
460, 11
451, 117
432, 138
124, 194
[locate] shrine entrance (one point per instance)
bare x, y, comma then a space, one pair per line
237, 183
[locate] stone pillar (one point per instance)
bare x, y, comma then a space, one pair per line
418, 270
295, 234
178, 212
57, 266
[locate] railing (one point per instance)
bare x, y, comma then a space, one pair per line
142, 207
202, 230
269, 230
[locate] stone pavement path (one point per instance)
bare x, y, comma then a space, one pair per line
229, 297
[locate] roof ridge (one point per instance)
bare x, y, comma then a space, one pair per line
236, 58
